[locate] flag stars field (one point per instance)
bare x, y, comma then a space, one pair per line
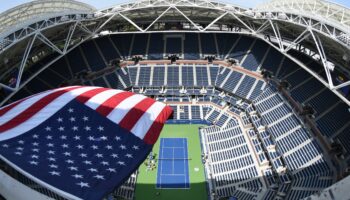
77, 137
104, 163
52, 159
32, 162
73, 168
128, 155
19, 148
35, 156
111, 170
53, 166
87, 162
99, 155
103, 137
100, 128
55, 173
69, 161
69, 151
51, 152
93, 170
114, 155
83, 155
77, 176
82, 184
121, 163
99, 177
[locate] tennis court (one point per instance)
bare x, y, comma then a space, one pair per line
173, 164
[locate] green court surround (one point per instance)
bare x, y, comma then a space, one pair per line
146, 180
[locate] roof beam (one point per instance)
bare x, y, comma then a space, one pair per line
347, 83
263, 27
305, 34
277, 34
69, 36
154, 21
45, 40
24, 60
83, 27
242, 22
302, 65
195, 25
214, 21
131, 22
323, 57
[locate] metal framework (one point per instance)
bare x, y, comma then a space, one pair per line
29, 13
318, 28
318, 17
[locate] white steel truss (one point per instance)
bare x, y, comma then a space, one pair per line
26, 13
66, 49
265, 20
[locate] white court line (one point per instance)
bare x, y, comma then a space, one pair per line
188, 165
173, 174
173, 162
183, 141
161, 165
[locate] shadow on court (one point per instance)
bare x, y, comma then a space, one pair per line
197, 191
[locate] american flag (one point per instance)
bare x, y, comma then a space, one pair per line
80, 142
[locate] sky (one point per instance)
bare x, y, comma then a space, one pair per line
99, 4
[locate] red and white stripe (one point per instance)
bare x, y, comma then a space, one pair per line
142, 116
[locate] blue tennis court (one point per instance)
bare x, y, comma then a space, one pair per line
173, 164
